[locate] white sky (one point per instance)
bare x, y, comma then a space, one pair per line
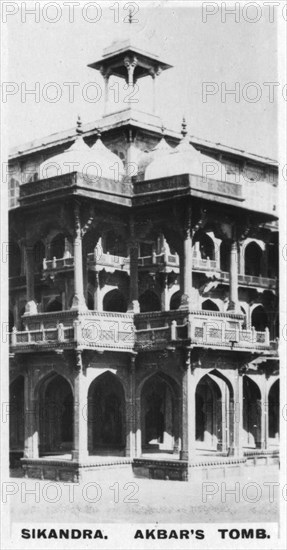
215, 51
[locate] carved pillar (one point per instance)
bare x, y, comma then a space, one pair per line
264, 413
30, 421
80, 446
31, 306
78, 299
186, 262
133, 251
130, 64
188, 411
131, 412
238, 414
233, 278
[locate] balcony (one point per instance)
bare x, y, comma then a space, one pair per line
199, 329
170, 262
67, 329
251, 280
107, 261
141, 332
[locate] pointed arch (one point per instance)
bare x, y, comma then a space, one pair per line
253, 259
106, 415
273, 411
251, 413
208, 414
17, 413
115, 300
149, 301
259, 319
209, 305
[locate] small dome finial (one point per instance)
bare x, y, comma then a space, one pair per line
79, 129
183, 127
163, 128
130, 15
98, 133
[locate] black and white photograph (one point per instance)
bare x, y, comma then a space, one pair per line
143, 275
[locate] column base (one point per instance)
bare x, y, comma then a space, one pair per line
31, 308
184, 455
234, 307
134, 306
79, 304
79, 456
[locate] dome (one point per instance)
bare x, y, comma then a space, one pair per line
92, 162
154, 158
107, 164
184, 159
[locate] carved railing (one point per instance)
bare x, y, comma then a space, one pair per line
108, 261
58, 263
252, 280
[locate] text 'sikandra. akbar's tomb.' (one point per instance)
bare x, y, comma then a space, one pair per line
143, 297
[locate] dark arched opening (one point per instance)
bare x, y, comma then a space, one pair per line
54, 305
16, 414
175, 300
149, 301
56, 416
114, 244
225, 256
115, 301
208, 416
253, 257
106, 415
57, 248
206, 247
209, 305
39, 255
159, 414
259, 319
14, 260
273, 411
251, 413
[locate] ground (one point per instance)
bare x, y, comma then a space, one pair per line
116, 496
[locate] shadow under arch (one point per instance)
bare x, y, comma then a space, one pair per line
208, 415
159, 414
16, 414
251, 413
106, 415
273, 411
55, 414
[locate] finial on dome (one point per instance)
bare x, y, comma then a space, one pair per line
98, 133
79, 129
130, 15
183, 127
163, 128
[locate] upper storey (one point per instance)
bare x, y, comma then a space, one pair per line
127, 158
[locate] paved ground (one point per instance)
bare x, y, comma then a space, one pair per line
119, 497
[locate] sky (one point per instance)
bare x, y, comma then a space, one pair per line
213, 56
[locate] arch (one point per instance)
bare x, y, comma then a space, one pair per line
90, 301
206, 247
253, 259
14, 259
273, 259
208, 415
209, 305
56, 414
259, 319
106, 415
273, 411
159, 413
175, 300
251, 413
57, 246
149, 301
114, 300
114, 244
16, 414
225, 255
39, 254
54, 305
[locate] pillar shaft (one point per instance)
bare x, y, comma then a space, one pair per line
238, 415
30, 421
134, 291
131, 413
233, 278
80, 446
186, 263
78, 299
188, 413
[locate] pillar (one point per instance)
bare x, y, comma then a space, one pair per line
30, 422
134, 291
130, 412
130, 64
186, 262
233, 278
78, 299
80, 446
165, 294
264, 413
31, 306
188, 411
238, 414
